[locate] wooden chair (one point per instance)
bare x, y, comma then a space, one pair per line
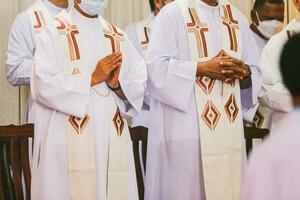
139, 137
252, 133
14, 161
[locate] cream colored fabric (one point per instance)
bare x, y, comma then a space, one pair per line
220, 130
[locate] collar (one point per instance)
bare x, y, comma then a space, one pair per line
205, 5
79, 18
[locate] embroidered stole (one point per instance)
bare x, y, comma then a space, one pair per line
80, 139
218, 104
120, 143
143, 30
39, 16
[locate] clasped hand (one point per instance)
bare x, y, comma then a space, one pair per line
223, 67
108, 70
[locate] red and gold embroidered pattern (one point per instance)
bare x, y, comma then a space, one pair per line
232, 25
231, 108
206, 84
146, 41
258, 119
40, 21
70, 31
76, 71
115, 37
79, 124
211, 115
198, 29
118, 122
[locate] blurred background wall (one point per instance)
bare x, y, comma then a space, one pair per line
121, 12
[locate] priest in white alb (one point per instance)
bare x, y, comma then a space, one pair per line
202, 80
87, 79
274, 94
22, 42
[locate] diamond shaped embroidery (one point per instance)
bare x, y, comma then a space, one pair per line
79, 124
211, 115
231, 108
206, 83
258, 119
118, 122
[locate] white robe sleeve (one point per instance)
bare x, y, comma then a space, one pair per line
133, 77
171, 78
250, 56
133, 37
21, 47
50, 86
274, 94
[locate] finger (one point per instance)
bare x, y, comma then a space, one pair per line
227, 72
231, 59
235, 76
111, 67
117, 59
222, 53
229, 80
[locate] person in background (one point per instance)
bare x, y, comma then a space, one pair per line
274, 94
22, 42
267, 20
273, 169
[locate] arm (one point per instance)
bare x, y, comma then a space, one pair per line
132, 79
249, 95
50, 86
171, 78
274, 94
21, 48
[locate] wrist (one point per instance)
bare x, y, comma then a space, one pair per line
201, 69
249, 71
115, 87
93, 80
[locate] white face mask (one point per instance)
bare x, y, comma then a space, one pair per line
93, 7
269, 27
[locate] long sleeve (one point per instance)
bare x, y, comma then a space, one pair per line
171, 78
50, 86
133, 37
133, 77
274, 94
250, 56
21, 48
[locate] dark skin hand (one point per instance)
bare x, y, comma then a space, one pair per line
226, 68
108, 70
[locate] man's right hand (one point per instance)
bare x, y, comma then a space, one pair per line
104, 68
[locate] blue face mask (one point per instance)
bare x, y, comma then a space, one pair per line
93, 7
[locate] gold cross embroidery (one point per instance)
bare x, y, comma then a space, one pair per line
199, 29
115, 37
70, 31
146, 41
232, 25
40, 21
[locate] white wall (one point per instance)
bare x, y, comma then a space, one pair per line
120, 12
